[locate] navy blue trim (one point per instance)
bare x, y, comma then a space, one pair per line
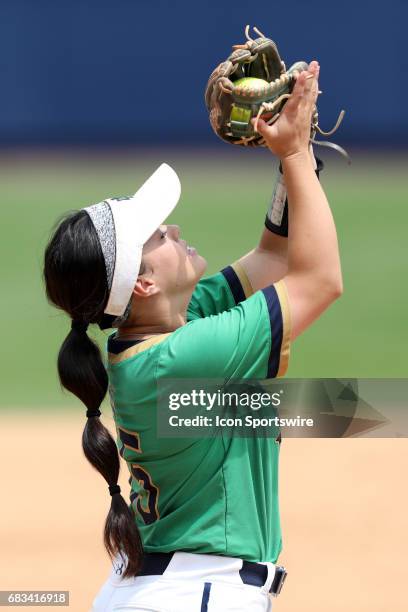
206, 597
154, 564
276, 321
117, 345
254, 574
234, 284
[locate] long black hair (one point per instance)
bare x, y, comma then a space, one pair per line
75, 281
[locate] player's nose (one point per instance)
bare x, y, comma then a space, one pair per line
175, 231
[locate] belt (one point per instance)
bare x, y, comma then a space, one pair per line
255, 574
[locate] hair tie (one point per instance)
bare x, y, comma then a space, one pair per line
79, 326
114, 489
93, 412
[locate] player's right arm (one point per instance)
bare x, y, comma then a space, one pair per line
313, 279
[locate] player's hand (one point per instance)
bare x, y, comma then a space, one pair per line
290, 134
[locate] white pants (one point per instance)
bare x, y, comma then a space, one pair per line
190, 583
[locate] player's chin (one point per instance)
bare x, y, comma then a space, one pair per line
199, 264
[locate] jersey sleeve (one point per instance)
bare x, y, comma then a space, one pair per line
251, 340
219, 292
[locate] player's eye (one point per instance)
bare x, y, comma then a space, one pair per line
163, 234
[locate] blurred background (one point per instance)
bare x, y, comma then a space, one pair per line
94, 96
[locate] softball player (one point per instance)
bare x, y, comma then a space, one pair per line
202, 529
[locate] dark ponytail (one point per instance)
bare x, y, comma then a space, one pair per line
75, 281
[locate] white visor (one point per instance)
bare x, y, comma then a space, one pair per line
135, 219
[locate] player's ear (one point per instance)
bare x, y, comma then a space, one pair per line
145, 287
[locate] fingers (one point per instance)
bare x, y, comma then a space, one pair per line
297, 94
303, 98
259, 125
313, 66
311, 79
305, 91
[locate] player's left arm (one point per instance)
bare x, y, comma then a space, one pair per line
267, 263
263, 266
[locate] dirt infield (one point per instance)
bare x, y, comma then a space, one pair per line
343, 506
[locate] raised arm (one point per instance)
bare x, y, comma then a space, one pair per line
268, 261
313, 275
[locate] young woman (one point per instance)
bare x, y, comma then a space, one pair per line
202, 529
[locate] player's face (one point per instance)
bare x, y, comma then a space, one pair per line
171, 262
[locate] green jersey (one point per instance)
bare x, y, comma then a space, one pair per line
216, 494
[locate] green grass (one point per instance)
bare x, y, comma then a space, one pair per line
221, 212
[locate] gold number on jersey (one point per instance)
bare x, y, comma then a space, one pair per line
145, 501
129, 439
